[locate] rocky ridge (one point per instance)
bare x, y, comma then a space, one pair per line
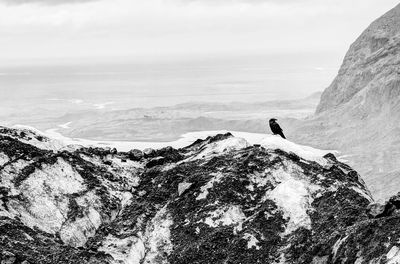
219, 200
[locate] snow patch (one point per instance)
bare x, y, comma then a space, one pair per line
239, 141
130, 250
252, 241
363, 193
226, 145
45, 201
45, 142
77, 232
393, 256
293, 196
305, 152
204, 189
259, 179
337, 245
360, 260
158, 238
232, 215
3, 159
183, 186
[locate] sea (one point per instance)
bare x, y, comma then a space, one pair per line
130, 83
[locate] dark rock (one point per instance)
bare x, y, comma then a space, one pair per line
113, 151
330, 157
169, 154
107, 162
149, 152
375, 210
155, 162
199, 143
395, 200
135, 154
107, 150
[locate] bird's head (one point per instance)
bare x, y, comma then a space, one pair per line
272, 120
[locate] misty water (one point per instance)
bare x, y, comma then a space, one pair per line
116, 100
131, 84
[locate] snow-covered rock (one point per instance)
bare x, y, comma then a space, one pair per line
219, 200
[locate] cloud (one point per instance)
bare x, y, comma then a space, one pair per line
45, 2
122, 28
205, 2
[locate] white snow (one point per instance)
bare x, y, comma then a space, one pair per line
3, 159
185, 140
292, 195
305, 152
360, 260
240, 140
151, 247
77, 233
252, 241
337, 245
393, 256
158, 242
259, 179
45, 193
232, 215
204, 189
130, 250
365, 194
47, 142
183, 186
219, 147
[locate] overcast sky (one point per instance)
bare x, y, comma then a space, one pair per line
158, 28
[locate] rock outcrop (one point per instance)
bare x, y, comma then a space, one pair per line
219, 200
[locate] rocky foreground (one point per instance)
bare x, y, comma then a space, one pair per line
219, 200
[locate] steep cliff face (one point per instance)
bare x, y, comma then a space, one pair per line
219, 200
359, 114
369, 78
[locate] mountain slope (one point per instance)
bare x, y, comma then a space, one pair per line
359, 113
368, 79
219, 200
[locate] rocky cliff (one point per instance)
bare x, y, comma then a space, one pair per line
369, 78
359, 113
219, 200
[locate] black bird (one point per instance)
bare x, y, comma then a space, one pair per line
275, 128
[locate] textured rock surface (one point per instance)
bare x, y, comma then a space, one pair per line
359, 114
219, 200
370, 74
